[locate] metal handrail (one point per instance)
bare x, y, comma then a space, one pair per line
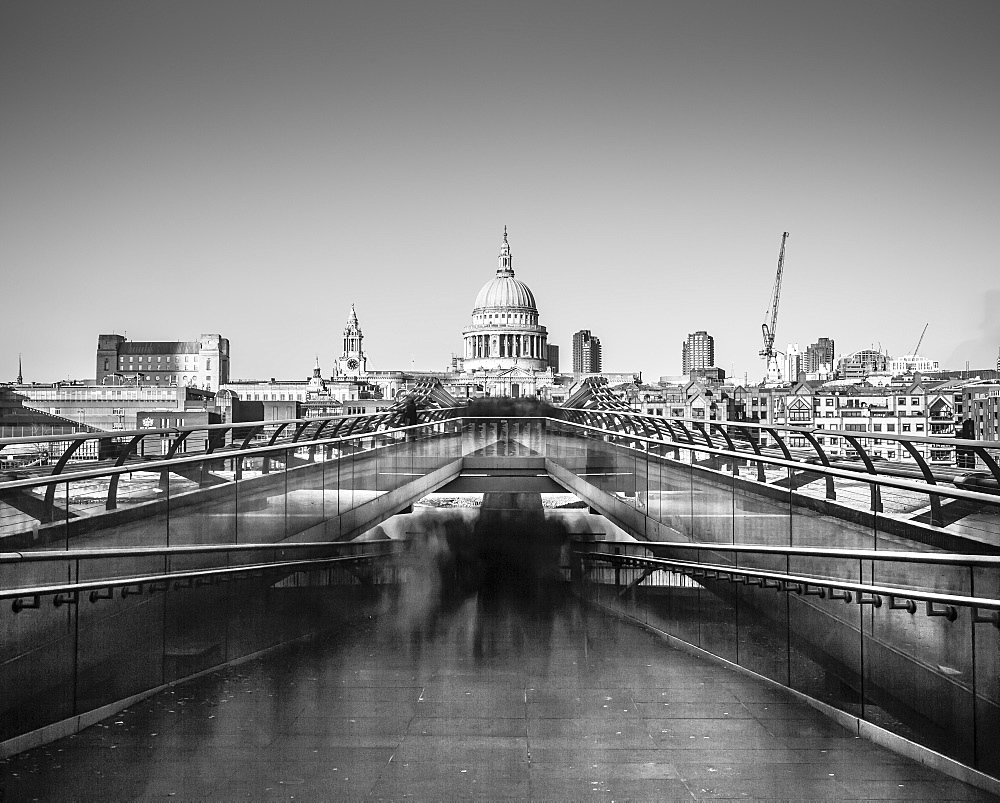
154, 580
155, 465
982, 449
941, 558
51, 555
796, 429
120, 433
804, 582
848, 474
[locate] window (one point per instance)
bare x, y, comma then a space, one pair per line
914, 400
876, 427
890, 427
906, 427
901, 400
829, 402
854, 427
920, 428
890, 455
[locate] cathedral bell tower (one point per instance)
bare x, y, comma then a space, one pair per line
352, 361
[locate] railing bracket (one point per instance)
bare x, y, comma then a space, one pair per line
874, 600
990, 617
128, 591
96, 594
950, 612
19, 604
846, 596
69, 598
907, 605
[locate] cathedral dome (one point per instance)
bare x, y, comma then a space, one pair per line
505, 332
505, 291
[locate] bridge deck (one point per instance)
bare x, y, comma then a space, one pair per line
495, 702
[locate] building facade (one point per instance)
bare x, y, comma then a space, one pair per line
201, 363
819, 357
698, 351
114, 406
586, 353
860, 364
553, 358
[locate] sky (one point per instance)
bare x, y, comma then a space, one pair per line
254, 168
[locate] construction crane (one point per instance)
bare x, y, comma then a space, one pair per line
773, 370
911, 364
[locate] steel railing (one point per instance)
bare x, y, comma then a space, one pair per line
899, 597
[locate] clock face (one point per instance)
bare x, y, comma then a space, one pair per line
352, 364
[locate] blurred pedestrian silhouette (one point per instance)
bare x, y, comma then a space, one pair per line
410, 412
410, 416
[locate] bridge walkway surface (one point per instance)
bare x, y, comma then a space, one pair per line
494, 700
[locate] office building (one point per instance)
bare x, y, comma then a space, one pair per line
586, 353
553, 358
818, 357
201, 363
698, 351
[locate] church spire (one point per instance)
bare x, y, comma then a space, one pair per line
20, 378
505, 266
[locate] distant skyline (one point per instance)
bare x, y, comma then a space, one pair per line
254, 168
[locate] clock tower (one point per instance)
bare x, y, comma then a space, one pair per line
352, 361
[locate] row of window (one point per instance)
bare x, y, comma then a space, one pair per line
806, 415
277, 397
900, 400
878, 427
160, 360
